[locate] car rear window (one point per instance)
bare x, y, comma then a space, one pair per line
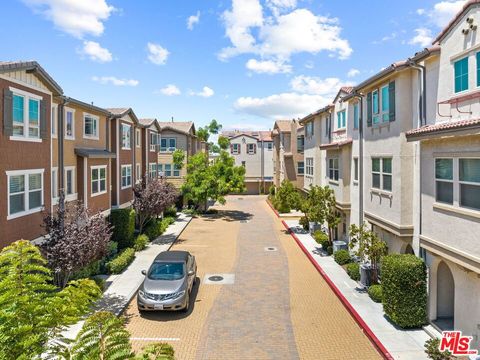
166, 271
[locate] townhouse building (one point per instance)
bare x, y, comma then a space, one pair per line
147, 142
254, 151
288, 144
448, 153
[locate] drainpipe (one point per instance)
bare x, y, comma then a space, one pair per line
262, 174
61, 162
360, 158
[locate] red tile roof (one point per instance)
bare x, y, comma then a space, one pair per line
347, 89
337, 144
445, 126
453, 22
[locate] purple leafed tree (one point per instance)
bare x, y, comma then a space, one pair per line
75, 239
151, 199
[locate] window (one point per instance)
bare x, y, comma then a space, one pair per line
25, 192
269, 145
126, 176
126, 141
382, 173
478, 68
168, 144
160, 170
469, 180
69, 124
333, 169
90, 126
444, 180
69, 180
341, 119
385, 104
461, 74
168, 170
152, 170
309, 166
300, 143
137, 138
251, 149
153, 141
26, 115
54, 183
54, 121
99, 180
356, 115
309, 129
355, 169
176, 170
137, 172
300, 168
235, 149
375, 107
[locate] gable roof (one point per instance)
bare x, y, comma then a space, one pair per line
149, 122
86, 105
442, 128
345, 90
183, 127
455, 20
318, 112
119, 112
261, 135
31, 67
283, 125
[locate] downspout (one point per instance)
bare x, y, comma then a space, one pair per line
262, 182
360, 159
61, 162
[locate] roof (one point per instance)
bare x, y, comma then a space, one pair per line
119, 112
455, 20
344, 89
173, 255
94, 153
259, 135
34, 67
337, 144
180, 126
86, 105
445, 127
318, 112
149, 122
284, 125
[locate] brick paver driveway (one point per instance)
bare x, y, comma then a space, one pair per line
278, 306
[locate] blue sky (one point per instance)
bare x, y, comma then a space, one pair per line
242, 62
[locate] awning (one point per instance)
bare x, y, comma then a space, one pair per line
94, 153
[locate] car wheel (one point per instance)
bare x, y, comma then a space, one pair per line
187, 306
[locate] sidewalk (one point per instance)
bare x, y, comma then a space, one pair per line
121, 288
401, 344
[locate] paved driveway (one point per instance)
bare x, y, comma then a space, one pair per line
278, 306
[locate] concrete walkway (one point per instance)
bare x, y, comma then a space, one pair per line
402, 344
121, 288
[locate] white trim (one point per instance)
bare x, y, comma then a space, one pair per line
26, 96
121, 176
85, 183
25, 192
95, 117
18, 82
464, 53
130, 132
25, 93
138, 172
74, 193
52, 170
66, 110
139, 142
54, 112
97, 167
26, 139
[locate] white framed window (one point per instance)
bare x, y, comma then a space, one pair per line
69, 181
152, 173
98, 179
153, 141
176, 170
309, 166
235, 149
26, 115
469, 182
309, 132
126, 136
138, 174
269, 145
138, 138
126, 176
168, 170
444, 180
168, 144
300, 168
333, 172
251, 149
54, 120
54, 183
382, 173
90, 126
25, 192
69, 124
355, 169
160, 170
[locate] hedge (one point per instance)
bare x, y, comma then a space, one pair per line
170, 212
375, 293
342, 257
140, 242
157, 227
353, 270
404, 288
120, 263
123, 222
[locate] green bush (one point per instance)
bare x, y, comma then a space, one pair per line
170, 212
123, 222
112, 250
342, 257
101, 283
353, 270
375, 293
88, 271
157, 227
432, 349
404, 289
322, 239
271, 191
303, 222
140, 242
120, 263
329, 249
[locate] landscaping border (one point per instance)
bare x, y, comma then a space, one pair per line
366, 329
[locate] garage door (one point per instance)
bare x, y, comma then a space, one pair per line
252, 188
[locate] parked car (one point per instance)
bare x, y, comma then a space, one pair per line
168, 282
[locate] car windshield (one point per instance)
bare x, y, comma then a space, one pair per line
166, 271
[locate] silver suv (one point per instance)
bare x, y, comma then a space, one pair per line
168, 282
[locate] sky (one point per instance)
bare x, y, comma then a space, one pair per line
244, 63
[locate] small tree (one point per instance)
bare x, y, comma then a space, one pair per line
151, 199
178, 158
368, 246
81, 240
332, 217
32, 309
287, 197
223, 142
204, 133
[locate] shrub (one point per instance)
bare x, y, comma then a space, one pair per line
140, 242
170, 211
353, 270
120, 263
342, 257
101, 283
287, 197
433, 352
271, 191
404, 289
304, 222
329, 249
375, 293
123, 222
112, 250
88, 271
322, 239
157, 227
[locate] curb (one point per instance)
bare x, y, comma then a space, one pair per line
366, 329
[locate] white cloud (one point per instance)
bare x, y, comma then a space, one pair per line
247, 126
317, 86
105, 80
206, 92
444, 11
170, 90
423, 37
192, 20
268, 66
420, 11
157, 54
77, 18
95, 52
353, 72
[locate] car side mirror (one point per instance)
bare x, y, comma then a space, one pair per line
144, 272
191, 272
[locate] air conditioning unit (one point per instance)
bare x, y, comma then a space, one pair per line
365, 274
339, 245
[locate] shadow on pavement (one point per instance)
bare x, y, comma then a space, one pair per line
228, 215
112, 303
